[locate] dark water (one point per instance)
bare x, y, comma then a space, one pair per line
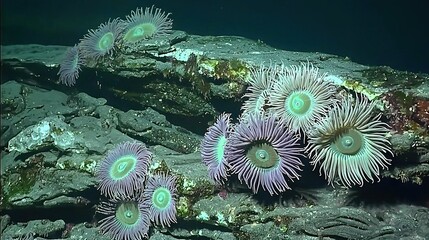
369, 32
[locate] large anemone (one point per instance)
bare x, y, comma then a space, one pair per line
127, 219
143, 24
160, 196
71, 66
263, 152
301, 97
260, 83
100, 42
350, 143
124, 169
213, 148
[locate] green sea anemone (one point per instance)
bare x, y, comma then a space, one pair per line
160, 197
124, 169
143, 24
71, 66
301, 97
350, 143
100, 42
213, 148
125, 219
260, 83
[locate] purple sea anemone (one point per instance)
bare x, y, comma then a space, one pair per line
127, 219
213, 148
301, 97
70, 66
100, 42
350, 143
260, 84
146, 24
123, 170
160, 196
262, 152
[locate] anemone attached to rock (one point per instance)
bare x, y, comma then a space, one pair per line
100, 42
160, 197
301, 97
143, 24
127, 219
264, 153
350, 143
213, 148
260, 83
71, 66
124, 169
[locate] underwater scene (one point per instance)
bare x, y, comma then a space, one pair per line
214, 120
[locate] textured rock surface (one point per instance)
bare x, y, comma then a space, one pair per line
162, 93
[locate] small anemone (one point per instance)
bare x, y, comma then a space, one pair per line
160, 196
143, 24
213, 148
262, 152
100, 42
350, 143
260, 83
301, 97
126, 219
71, 66
124, 169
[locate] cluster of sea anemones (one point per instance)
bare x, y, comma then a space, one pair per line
283, 105
135, 198
139, 25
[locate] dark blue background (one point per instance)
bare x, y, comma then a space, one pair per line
393, 33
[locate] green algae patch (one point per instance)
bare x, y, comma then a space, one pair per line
17, 183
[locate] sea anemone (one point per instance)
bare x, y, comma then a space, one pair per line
146, 24
350, 143
127, 219
160, 196
213, 148
262, 151
301, 97
70, 66
123, 170
260, 83
100, 42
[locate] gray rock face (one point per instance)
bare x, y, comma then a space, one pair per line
172, 88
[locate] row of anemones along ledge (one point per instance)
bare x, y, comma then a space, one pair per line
140, 25
343, 136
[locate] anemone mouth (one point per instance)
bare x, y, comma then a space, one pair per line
139, 32
298, 103
263, 155
106, 42
348, 141
122, 167
161, 198
128, 213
